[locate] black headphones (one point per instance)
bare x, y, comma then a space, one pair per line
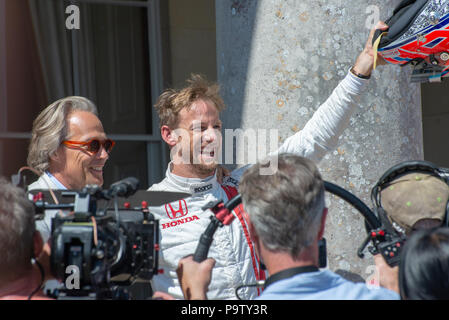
400, 169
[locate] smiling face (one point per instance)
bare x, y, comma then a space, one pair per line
75, 167
201, 138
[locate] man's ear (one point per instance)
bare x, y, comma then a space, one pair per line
258, 245
169, 136
323, 224
252, 231
38, 244
57, 157
54, 157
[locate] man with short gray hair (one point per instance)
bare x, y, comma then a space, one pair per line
286, 219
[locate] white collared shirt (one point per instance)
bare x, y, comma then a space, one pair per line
58, 184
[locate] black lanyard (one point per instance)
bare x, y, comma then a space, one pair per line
288, 273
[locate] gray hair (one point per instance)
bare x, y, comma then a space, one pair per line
17, 227
50, 129
286, 207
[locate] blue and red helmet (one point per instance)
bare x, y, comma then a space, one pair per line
418, 34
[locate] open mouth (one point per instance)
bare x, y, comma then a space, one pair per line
208, 155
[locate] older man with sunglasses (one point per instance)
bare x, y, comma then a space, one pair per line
68, 149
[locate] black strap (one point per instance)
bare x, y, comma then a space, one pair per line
288, 273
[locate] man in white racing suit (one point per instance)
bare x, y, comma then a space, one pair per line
190, 125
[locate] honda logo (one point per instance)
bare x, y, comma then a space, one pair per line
176, 212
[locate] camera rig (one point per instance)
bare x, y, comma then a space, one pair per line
99, 251
383, 238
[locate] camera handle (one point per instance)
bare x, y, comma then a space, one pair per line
222, 216
369, 216
384, 240
206, 240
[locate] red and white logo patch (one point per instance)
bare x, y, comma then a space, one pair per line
176, 212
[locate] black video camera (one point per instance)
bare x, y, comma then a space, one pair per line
98, 251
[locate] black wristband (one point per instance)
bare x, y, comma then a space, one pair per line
359, 75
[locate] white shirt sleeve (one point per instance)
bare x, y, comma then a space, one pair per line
321, 132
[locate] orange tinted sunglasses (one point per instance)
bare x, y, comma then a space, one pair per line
93, 145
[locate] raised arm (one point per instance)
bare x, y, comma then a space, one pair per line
321, 132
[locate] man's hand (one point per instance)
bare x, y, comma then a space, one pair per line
365, 61
159, 295
388, 276
195, 277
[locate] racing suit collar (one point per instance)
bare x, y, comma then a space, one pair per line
194, 186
